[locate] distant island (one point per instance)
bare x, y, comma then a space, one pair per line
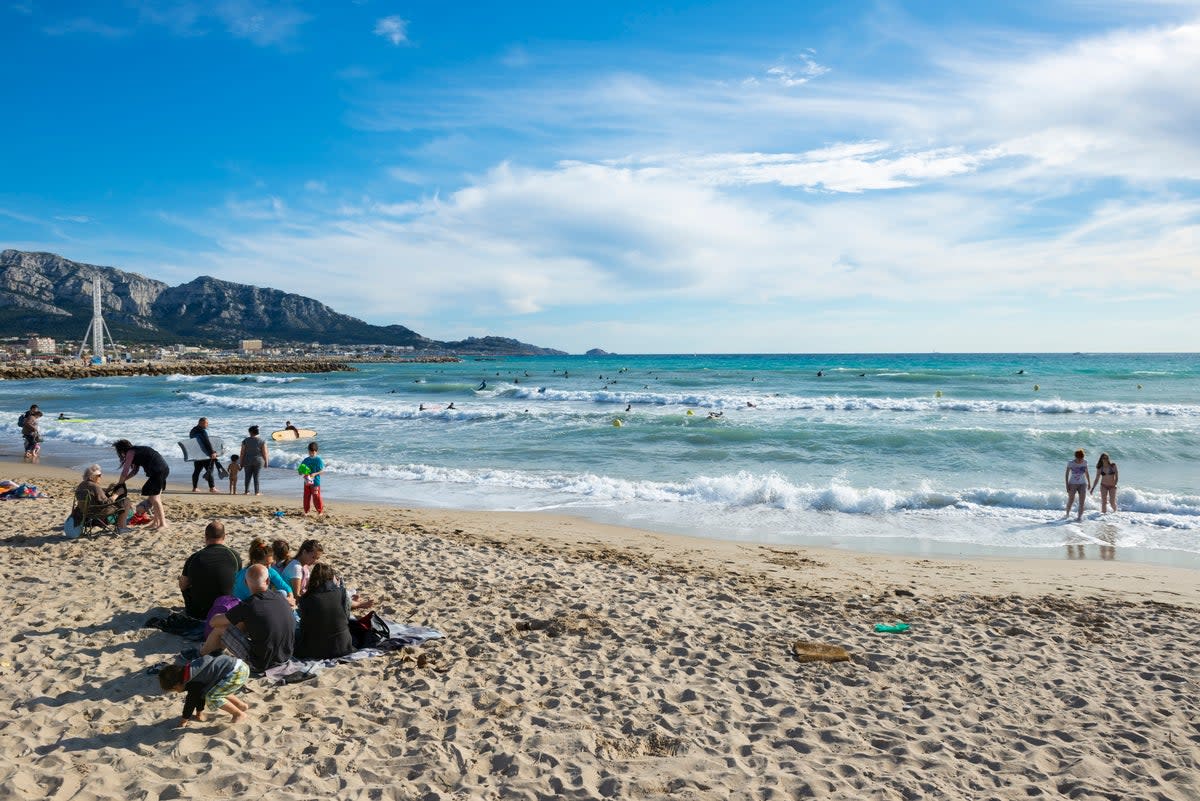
598, 352
47, 295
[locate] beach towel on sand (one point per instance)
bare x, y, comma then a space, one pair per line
12, 491
400, 635
176, 623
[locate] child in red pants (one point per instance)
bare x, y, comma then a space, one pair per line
311, 468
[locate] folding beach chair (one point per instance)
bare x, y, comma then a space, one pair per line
95, 519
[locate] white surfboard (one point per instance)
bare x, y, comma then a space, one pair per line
193, 451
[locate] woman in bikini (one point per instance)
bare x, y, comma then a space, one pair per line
1106, 477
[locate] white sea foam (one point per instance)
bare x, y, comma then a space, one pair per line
771, 490
1050, 406
371, 408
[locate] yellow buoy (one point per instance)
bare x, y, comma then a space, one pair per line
689, 413
1036, 387
618, 422
937, 394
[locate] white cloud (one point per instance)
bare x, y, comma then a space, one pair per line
394, 29
1123, 105
526, 241
262, 23
801, 71
267, 208
75, 218
847, 168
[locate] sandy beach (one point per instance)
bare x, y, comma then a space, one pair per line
585, 661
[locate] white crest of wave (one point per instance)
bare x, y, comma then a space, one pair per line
299, 406
771, 490
837, 403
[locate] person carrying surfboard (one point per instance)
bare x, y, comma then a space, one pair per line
289, 427
199, 433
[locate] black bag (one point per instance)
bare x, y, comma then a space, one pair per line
369, 630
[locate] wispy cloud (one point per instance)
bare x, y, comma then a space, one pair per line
85, 26
394, 29
75, 218
262, 23
797, 72
852, 167
516, 57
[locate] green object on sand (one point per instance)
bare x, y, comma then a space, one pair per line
894, 628
303, 469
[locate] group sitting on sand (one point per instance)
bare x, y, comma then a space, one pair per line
276, 608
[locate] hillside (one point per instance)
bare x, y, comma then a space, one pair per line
46, 294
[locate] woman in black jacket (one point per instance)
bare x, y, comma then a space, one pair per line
324, 617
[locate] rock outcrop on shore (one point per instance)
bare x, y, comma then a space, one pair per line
70, 370
191, 367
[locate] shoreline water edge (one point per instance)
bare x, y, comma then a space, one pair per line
915, 454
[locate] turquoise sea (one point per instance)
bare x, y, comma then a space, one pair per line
925, 453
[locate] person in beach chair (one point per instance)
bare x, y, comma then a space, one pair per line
98, 509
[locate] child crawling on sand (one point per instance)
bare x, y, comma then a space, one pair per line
208, 680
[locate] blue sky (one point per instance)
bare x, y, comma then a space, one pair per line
674, 177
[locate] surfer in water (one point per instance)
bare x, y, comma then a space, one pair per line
289, 427
482, 385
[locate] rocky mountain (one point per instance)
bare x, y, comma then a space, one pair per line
46, 294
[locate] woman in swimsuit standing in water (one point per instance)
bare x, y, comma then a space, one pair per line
1106, 477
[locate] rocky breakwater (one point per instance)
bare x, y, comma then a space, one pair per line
72, 370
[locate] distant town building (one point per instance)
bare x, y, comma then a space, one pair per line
38, 345
250, 345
